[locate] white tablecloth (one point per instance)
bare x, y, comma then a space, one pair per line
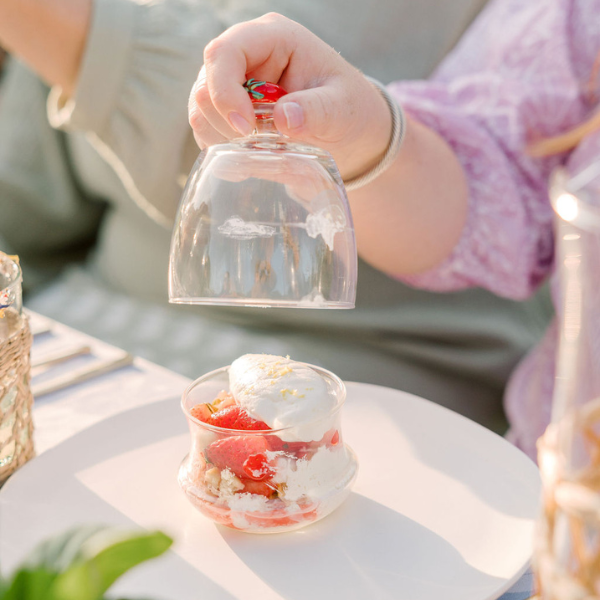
62, 414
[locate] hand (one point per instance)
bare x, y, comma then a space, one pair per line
411, 216
330, 104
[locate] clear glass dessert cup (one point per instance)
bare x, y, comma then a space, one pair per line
10, 283
11, 302
264, 221
266, 481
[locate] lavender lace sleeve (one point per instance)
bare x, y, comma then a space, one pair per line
520, 73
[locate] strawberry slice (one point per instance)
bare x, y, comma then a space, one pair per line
235, 417
278, 445
233, 452
303, 449
331, 438
275, 444
257, 467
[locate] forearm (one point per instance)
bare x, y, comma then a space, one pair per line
411, 217
49, 35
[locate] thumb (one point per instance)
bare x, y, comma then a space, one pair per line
319, 115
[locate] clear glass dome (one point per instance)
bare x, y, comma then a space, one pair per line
264, 221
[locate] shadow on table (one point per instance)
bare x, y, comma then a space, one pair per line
454, 446
370, 551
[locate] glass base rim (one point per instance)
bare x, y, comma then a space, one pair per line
263, 303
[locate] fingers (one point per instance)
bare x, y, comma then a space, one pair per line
331, 104
260, 49
321, 114
212, 116
208, 125
346, 116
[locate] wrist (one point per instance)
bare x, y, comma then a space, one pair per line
371, 143
391, 131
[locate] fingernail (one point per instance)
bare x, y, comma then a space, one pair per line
294, 115
240, 124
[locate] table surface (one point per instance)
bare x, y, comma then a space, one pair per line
62, 414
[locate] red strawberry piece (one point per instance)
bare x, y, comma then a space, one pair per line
263, 91
278, 445
275, 444
235, 417
294, 446
257, 467
202, 412
331, 438
257, 487
304, 453
232, 452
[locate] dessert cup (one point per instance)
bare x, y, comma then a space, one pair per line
271, 480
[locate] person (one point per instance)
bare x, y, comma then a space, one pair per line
106, 174
465, 201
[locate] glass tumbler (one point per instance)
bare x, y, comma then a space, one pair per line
16, 427
567, 556
266, 481
264, 221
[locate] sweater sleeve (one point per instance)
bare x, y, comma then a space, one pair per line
44, 216
515, 78
139, 65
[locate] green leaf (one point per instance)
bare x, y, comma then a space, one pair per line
28, 584
61, 551
81, 564
88, 580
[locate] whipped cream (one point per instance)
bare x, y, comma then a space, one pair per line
283, 393
327, 471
